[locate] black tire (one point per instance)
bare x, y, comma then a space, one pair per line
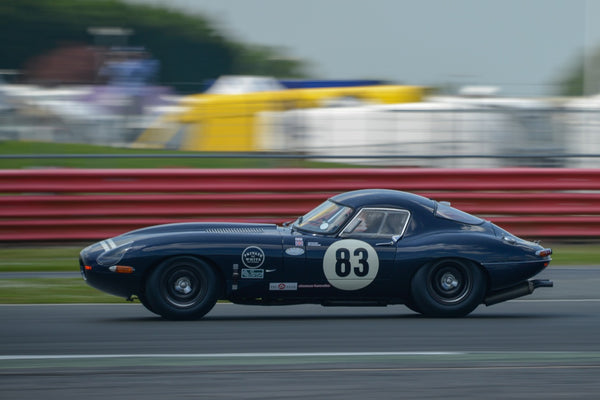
182, 288
144, 300
448, 288
411, 306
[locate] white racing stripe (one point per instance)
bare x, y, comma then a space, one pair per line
108, 244
104, 245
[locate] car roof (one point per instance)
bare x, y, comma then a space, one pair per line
382, 198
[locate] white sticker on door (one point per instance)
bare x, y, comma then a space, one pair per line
350, 264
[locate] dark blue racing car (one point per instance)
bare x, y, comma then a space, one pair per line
362, 248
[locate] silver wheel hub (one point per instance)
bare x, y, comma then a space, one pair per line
183, 286
449, 281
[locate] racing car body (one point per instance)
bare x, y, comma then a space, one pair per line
367, 248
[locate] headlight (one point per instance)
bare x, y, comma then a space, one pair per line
112, 257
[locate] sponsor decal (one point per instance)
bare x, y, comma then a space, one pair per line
253, 273
253, 257
314, 244
350, 264
235, 276
283, 286
299, 242
314, 286
294, 251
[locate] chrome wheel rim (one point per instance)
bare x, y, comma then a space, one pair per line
449, 282
183, 286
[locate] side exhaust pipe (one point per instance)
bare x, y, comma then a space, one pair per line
520, 290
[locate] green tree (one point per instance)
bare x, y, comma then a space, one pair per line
189, 48
582, 77
267, 61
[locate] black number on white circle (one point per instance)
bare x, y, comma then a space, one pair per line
364, 270
343, 266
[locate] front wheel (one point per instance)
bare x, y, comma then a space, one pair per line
448, 288
182, 288
144, 300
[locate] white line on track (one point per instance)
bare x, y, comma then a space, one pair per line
207, 356
228, 355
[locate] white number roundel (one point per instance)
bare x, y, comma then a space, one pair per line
350, 264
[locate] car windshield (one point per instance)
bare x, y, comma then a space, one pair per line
445, 211
325, 219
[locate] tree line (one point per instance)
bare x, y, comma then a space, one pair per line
190, 48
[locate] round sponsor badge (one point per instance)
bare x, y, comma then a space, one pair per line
350, 264
253, 257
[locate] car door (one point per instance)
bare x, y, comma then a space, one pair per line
357, 263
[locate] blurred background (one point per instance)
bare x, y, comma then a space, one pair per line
104, 104
399, 83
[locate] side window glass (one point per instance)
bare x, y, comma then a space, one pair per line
395, 223
377, 223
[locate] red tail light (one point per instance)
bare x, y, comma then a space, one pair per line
543, 252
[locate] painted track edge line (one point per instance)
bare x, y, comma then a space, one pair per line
227, 355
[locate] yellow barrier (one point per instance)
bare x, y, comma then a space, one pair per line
227, 123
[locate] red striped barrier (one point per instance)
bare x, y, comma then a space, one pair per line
65, 204
296, 180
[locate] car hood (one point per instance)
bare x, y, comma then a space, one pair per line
200, 227
173, 232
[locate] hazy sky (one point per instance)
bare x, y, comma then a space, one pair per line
522, 46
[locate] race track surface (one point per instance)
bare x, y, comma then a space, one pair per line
545, 346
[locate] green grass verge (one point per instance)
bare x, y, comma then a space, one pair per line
587, 254
40, 259
51, 290
37, 148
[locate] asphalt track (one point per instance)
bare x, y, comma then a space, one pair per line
545, 346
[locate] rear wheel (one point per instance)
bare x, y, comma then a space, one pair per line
182, 288
448, 288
